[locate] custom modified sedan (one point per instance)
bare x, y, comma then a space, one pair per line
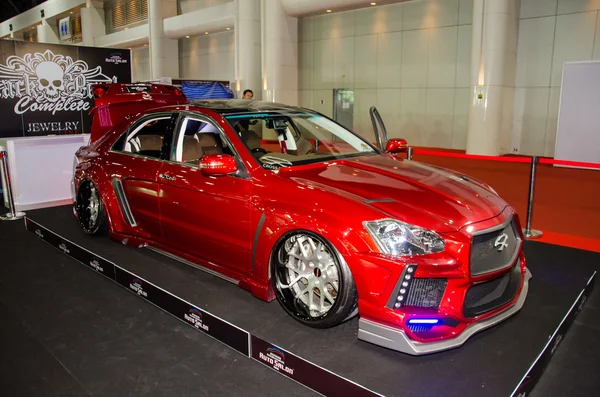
292, 206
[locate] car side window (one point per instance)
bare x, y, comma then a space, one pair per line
145, 138
198, 137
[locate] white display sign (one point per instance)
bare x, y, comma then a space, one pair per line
41, 169
578, 133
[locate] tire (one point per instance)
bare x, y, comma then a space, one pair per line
90, 210
311, 280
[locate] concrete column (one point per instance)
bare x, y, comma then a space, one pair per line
164, 52
493, 70
248, 47
279, 53
47, 33
92, 23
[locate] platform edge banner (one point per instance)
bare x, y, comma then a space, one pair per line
533, 375
305, 372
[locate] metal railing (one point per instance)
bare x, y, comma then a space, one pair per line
13, 214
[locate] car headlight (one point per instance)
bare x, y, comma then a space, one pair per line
399, 238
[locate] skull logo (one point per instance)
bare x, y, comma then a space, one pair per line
50, 80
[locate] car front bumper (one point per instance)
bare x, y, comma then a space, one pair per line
396, 339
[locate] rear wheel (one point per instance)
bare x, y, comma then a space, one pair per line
312, 282
90, 210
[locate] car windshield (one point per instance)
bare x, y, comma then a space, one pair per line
281, 140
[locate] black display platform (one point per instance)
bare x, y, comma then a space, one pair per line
506, 359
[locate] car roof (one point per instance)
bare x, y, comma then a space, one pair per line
236, 106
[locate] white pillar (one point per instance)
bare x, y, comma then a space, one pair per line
164, 52
248, 48
47, 33
92, 23
279, 54
493, 69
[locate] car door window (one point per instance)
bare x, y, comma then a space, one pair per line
145, 138
198, 137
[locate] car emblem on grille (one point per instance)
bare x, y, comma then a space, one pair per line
501, 242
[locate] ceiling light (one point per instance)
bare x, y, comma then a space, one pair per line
187, 37
328, 10
145, 45
228, 28
71, 12
373, 4
205, 32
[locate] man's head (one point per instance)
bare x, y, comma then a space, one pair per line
248, 94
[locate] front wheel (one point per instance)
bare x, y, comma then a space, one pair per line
90, 210
312, 282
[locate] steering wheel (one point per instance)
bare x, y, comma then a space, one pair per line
259, 150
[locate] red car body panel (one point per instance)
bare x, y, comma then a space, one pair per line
230, 225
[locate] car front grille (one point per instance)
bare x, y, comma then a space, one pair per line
426, 292
419, 328
495, 250
489, 295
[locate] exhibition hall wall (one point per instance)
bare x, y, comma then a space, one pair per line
550, 32
411, 60
208, 57
184, 6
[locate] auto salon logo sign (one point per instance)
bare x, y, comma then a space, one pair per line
48, 82
194, 317
275, 357
136, 286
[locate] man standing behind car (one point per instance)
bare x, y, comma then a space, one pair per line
248, 94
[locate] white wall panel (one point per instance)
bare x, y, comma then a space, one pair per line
343, 62
465, 12
463, 56
441, 59
323, 102
388, 105
534, 59
413, 102
596, 55
323, 64
461, 118
538, 8
305, 29
574, 41
571, 6
415, 46
209, 57
375, 20
305, 65
552, 123
439, 117
389, 60
430, 14
140, 64
531, 113
363, 100
365, 61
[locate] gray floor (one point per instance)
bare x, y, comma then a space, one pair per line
60, 336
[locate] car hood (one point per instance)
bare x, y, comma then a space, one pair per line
406, 190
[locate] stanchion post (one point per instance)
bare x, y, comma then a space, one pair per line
528, 232
12, 215
409, 153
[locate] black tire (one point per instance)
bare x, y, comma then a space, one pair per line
89, 202
293, 298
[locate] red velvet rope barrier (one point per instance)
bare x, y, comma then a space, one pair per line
508, 159
570, 163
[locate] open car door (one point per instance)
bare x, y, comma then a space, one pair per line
115, 102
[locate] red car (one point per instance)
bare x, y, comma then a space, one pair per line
288, 204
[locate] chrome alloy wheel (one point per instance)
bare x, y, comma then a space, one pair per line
311, 273
89, 208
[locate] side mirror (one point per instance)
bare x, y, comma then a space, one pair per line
218, 164
396, 145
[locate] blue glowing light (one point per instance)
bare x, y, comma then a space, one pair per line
423, 321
